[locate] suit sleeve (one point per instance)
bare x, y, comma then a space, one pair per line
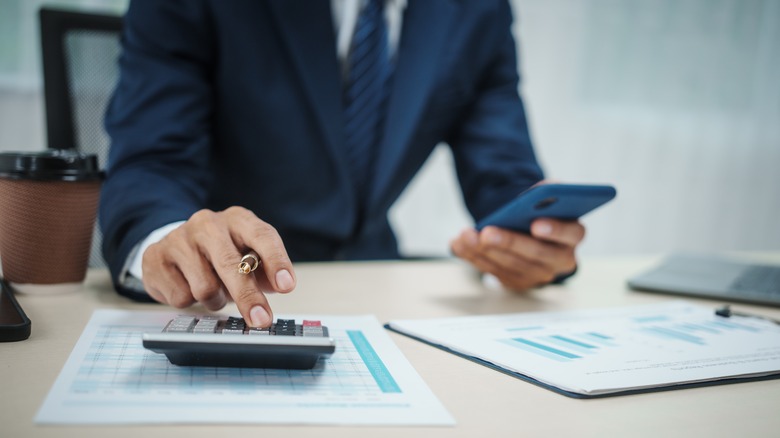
158, 121
494, 157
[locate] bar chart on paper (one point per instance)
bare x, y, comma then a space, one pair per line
111, 378
652, 332
598, 352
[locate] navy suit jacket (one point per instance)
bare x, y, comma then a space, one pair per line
239, 102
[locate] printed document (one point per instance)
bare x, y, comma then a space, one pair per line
111, 379
611, 351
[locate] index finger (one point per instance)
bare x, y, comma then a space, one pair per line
246, 290
248, 231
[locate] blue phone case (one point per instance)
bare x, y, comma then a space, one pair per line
559, 201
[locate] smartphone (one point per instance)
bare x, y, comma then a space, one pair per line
558, 201
14, 324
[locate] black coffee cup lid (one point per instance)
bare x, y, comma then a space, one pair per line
50, 165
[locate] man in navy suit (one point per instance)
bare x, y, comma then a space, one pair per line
232, 132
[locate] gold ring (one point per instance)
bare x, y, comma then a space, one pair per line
245, 267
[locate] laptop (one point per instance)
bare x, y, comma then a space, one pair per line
715, 277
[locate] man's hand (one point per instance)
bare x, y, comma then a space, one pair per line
521, 261
198, 262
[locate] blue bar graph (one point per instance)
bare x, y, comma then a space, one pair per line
374, 364
721, 325
523, 329
572, 341
699, 328
674, 334
735, 325
537, 348
598, 338
566, 342
655, 318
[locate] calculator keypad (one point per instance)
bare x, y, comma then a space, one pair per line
237, 326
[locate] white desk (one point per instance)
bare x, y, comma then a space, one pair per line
484, 402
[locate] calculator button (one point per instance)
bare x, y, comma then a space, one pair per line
228, 331
312, 331
285, 324
206, 324
234, 326
312, 328
181, 324
284, 327
285, 332
258, 331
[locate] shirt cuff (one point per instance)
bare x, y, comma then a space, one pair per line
492, 282
132, 272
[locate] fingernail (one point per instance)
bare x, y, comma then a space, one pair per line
494, 238
284, 280
543, 229
259, 317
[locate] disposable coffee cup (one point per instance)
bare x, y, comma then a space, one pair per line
48, 206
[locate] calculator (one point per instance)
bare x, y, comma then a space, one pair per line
221, 341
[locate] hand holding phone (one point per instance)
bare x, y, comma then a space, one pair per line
558, 201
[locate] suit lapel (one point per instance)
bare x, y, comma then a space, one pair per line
425, 27
307, 29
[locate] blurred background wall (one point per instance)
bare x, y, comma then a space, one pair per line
675, 102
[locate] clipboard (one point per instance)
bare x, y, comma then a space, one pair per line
708, 354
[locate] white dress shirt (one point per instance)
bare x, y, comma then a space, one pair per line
345, 15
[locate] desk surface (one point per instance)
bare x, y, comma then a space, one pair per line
481, 400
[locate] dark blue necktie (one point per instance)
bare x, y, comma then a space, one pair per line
365, 94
